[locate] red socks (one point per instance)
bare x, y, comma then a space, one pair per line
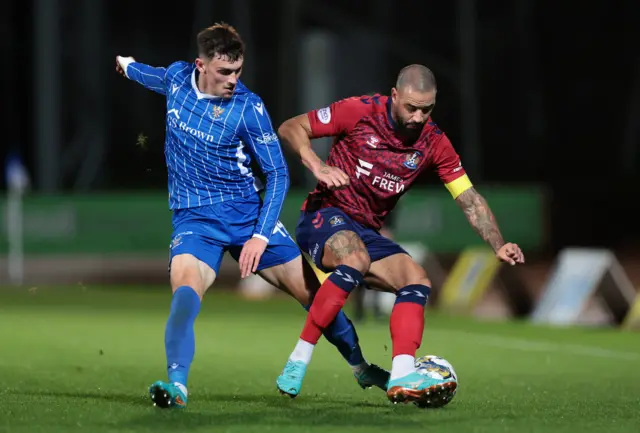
407, 319
329, 300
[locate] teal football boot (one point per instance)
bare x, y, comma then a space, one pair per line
420, 389
168, 395
290, 380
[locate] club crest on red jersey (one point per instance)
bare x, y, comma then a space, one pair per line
412, 160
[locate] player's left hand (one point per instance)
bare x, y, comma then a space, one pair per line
250, 256
121, 64
510, 253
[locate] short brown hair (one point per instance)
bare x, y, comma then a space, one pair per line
222, 40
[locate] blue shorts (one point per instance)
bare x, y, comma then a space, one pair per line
315, 228
207, 232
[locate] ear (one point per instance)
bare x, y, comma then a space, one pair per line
394, 95
200, 65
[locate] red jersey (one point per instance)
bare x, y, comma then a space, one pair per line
381, 167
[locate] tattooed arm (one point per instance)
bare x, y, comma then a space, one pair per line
479, 215
296, 134
481, 218
474, 206
336, 120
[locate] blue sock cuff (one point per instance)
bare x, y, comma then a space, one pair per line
186, 291
185, 301
415, 293
346, 277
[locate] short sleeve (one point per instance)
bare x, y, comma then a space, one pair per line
448, 166
338, 118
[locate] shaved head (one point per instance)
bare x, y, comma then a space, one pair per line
418, 78
413, 100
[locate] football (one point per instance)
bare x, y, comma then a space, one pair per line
439, 368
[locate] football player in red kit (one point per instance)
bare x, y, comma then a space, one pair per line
382, 144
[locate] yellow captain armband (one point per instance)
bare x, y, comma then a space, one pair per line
459, 186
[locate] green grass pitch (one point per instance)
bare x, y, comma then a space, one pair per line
81, 359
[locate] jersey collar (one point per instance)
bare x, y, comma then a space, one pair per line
392, 122
199, 94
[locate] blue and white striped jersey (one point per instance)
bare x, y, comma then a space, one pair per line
210, 140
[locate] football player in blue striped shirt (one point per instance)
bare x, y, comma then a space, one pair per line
214, 126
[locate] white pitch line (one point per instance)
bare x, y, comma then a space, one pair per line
541, 346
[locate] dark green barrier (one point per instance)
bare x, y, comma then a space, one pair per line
434, 218
141, 223
100, 223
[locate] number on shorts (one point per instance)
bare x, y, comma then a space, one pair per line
279, 228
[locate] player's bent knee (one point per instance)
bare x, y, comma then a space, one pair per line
294, 277
411, 280
359, 260
346, 248
423, 282
414, 274
187, 270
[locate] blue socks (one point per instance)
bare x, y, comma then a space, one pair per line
342, 334
179, 337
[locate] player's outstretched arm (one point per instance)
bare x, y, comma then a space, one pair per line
152, 78
479, 215
474, 206
296, 134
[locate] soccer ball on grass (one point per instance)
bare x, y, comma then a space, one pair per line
437, 367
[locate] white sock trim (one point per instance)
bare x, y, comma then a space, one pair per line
402, 365
302, 351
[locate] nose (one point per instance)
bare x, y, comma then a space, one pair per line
419, 117
233, 79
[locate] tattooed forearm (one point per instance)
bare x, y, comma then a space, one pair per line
480, 217
324, 168
344, 243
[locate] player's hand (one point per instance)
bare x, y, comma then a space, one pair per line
250, 256
510, 253
332, 177
119, 64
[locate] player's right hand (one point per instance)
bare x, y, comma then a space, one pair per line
332, 177
121, 63
510, 253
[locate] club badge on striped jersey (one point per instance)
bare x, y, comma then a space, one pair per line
217, 111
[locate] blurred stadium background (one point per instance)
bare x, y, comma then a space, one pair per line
542, 106
541, 98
